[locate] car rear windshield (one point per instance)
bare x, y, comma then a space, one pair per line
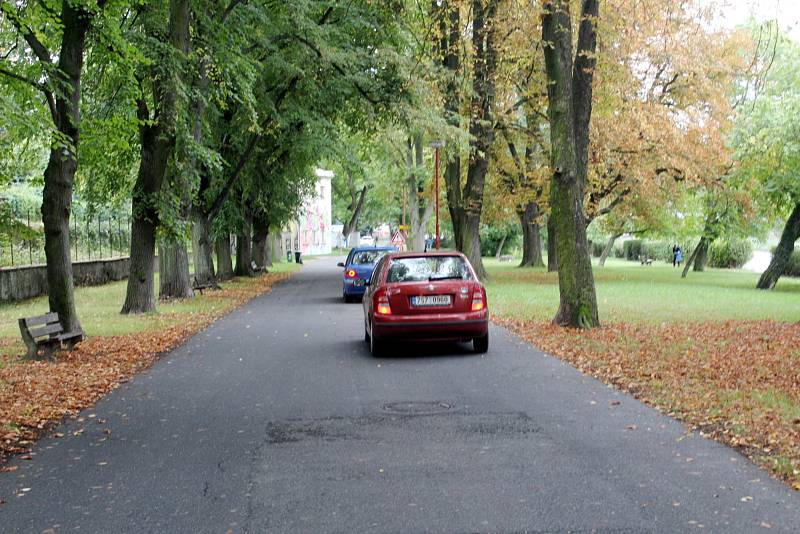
421, 269
367, 257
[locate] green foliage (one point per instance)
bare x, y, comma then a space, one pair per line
765, 137
793, 267
729, 253
492, 235
632, 249
660, 250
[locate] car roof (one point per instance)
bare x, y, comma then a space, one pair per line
396, 255
373, 247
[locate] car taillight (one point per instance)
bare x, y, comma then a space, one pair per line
382, 307
351, 273
477, 301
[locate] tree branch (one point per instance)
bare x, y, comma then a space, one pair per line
36, 45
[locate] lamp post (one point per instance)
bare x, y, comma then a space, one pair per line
436, 145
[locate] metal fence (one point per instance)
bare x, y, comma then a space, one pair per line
91, 237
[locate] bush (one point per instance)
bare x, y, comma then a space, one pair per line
632, 249
597, 248
491, 236
658, 250
793, 267
618, 251
729, 253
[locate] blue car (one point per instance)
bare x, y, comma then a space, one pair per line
358, 269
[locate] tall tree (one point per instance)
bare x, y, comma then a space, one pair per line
569, 93
157, 141
59, 80
465, 204
767, 148
449, 47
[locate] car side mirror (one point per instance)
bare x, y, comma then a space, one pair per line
340, 264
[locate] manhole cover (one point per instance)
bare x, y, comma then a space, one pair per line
418, 407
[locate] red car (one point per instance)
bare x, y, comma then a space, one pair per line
425, 297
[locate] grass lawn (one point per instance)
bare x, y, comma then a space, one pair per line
709, 349
99, 306
630, 292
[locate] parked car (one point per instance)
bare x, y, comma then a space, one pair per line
424, 297
358, 268
366, 241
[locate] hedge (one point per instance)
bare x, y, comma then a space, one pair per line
729, 253
793, 267
632, 249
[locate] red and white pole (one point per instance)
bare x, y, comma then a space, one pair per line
436, 178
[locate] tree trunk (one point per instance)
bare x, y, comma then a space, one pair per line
155, 151
259, 242
418, 216
351, 225
59, 176
140, 297
552, 259
173, 270
224, 260
531, 236
202, 248
472, 243
691, 259
783, 252
569, 111
500, 247
608, 248
244, 251
449, 46
701, 260
270, 249
157, 144
481, 130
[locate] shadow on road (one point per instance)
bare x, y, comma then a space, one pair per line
408, 350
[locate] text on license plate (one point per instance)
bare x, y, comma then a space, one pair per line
358, 282
431, 300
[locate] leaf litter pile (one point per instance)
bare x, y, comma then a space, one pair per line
737, 382
34, 395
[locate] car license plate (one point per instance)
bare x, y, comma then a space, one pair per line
358, 282
431, 300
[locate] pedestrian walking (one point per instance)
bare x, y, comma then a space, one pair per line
678, 256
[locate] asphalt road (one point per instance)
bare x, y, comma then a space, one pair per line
277, 419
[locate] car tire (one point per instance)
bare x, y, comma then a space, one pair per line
481, 344
346, 298
366, 335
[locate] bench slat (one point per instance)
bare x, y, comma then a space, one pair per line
42, 319
46, 330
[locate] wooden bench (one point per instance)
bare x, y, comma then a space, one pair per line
256, 269
198, 286
644, 260
505, 257
44, 332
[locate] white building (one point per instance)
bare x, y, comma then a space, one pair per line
310, 233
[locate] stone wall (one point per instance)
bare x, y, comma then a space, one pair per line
19, 283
